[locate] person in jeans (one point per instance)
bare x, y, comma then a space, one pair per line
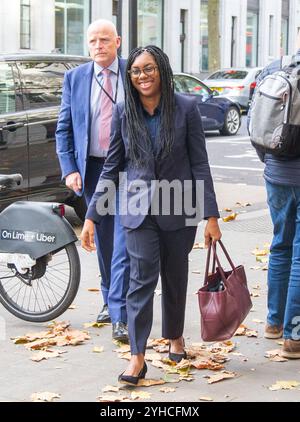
282, 178
157, 135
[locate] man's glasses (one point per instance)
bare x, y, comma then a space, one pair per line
148, 70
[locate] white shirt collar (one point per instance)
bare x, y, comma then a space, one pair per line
113, 67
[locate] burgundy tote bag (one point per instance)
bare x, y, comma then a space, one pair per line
224, 300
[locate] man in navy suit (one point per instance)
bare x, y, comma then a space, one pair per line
83, 136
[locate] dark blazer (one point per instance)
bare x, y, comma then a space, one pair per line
73, 127
187, 161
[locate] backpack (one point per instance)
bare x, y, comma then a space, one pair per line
275, 111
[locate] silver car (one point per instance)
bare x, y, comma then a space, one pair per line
238, 84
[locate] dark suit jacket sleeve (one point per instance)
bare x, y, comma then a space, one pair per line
64, 132
199, 160
114, 163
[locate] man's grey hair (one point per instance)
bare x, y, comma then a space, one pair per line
99, 23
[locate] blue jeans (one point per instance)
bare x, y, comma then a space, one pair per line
284, 266
111, 251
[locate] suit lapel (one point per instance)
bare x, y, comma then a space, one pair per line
86, 95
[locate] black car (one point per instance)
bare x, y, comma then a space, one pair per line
218, 112
30, 96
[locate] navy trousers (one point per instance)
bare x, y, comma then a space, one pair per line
111, 251
153, 251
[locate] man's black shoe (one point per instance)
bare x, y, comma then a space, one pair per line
104, 315
120, 332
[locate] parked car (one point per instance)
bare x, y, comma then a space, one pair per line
30, 96
236, 84
218, 112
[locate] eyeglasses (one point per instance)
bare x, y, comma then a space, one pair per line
148, 70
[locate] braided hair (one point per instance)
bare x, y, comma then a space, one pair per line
140, 147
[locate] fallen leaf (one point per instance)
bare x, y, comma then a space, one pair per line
230, 217
275, 356
256, 268
258, 321
196, 272
136, 395
73, 307
260, 252
206, 399
207, 364
284, 385
111, 399
110, 389
45, 396
150, 382
262, 260
252, 294
228, 210
157, 342
123, 348
98, 349
220, 377
95, 290
167, 390
45, 354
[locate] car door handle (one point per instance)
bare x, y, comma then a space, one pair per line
12, 126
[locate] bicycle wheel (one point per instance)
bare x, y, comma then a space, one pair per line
44, 292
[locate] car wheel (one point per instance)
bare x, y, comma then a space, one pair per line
80, 208
232, 122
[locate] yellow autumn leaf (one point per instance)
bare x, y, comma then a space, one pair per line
230, 217
95, 324
150, 382
260, 252
136, 395
206, 399
284, 385
111, 398
110, 389
220, 377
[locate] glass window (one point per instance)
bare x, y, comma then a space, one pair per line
188, 85
42, 83
7, 89
252, 39
229, 74
25, 24
150, 22
204, 35
71, 21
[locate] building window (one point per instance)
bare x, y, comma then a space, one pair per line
25, 24
71, 22
252, 39
150, 22
204, 35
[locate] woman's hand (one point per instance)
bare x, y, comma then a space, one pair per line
212, 231
87, 236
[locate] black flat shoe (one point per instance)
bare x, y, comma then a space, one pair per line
129, 379
177, 357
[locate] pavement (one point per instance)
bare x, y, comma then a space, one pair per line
79, 375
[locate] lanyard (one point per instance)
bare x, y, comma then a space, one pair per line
114, 101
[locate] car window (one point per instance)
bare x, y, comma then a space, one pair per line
189, 85
7, 89
42, 83
229, 74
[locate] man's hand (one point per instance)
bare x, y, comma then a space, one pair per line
87, 236
74, 182
212, 231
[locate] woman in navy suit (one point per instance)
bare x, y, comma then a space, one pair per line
157, 136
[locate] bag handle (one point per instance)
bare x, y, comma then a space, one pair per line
213, 246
